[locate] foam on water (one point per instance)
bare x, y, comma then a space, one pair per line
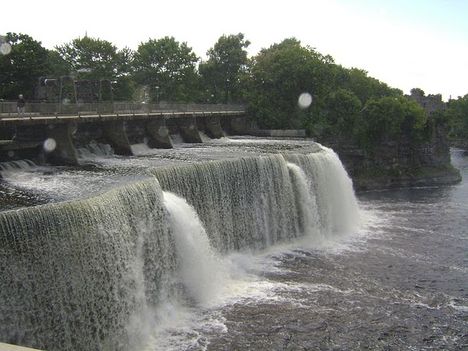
159, 257
140, 149
93, 151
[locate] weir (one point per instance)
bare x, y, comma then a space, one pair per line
79, 275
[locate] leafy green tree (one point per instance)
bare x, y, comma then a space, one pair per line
168, 68
391, 118
124, 86
90, 58
223, 72
279, 75
341, 110
95, 59
366, 87
457, 114
21, 68
57, 65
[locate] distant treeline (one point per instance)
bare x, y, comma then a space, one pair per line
347, 103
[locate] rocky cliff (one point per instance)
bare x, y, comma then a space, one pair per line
402, 163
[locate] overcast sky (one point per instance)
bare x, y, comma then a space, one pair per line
405, 43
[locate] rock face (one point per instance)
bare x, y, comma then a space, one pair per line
404, 162
394, 164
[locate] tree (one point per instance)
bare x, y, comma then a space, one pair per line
341, 111
96, 59
124, 86
457, 114
21, 68
366, 87
168, 68
90, 58
223, 72
391, 118
279, 75
57, 65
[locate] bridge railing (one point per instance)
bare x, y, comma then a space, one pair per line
9, 109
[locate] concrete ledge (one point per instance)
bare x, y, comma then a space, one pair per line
8, 347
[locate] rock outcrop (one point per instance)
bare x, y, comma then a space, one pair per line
395, 164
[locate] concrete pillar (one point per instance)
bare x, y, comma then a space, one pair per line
58, 146
188, 130
213, 127
158, 134
115, 135
238, 125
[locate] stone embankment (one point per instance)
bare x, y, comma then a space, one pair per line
399, 164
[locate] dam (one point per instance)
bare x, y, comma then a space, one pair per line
52, 132
78, 274
235, 242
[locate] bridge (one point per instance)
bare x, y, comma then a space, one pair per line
53, 132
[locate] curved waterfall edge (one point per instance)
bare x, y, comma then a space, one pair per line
81, 274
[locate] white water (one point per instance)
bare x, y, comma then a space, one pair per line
168, 260
332, 187
6, 168
309, 213
95, 150
201, 270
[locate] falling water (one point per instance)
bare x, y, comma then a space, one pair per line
201, 270
78, 275
71, 272
332, 188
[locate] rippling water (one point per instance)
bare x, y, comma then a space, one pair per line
399, 283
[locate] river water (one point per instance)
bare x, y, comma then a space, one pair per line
397, 282
400, 283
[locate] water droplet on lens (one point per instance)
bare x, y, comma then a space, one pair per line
304, 101
5, 48
50, 145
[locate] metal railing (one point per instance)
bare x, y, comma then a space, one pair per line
9, 109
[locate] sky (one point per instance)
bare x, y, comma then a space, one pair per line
405, 43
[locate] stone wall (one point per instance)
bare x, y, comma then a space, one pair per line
393, 164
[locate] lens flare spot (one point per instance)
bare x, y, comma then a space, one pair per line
304, 101
5, 48
50, 145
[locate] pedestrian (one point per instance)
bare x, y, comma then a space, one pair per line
20, 105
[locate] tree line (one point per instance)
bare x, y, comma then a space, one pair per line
347, 104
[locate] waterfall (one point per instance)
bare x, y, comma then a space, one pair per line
73, 273
12, 166
306, 203
243, 203
332, 188
79, 275
94, 150
201, 270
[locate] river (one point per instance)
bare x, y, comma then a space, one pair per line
395, 278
